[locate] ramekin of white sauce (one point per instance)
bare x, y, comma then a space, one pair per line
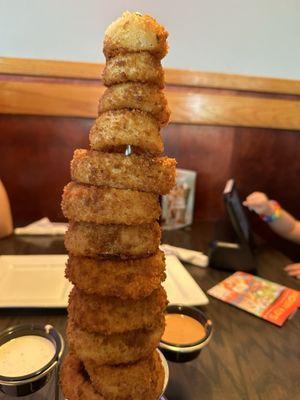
29, 356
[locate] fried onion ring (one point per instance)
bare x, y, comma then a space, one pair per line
133, 32
98, 314
140, 381
126, 241
138, 96
118, 348
75, 383
137, 172
116, 129
109, 205
133, 67
120, 278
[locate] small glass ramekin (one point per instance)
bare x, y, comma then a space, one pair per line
28, 384
187, 352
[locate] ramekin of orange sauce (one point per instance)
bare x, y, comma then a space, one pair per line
187, 331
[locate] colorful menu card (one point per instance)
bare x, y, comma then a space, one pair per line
260, 297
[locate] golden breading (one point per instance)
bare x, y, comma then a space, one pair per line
108, 315
118, 348
75, 382
114, 277
138, 96
143, 380
109, 205
137, 172
133, 67
126, 241
113, 130
133, 32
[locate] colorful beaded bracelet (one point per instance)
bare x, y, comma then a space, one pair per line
276, 212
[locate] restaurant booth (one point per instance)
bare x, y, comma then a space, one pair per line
222, 126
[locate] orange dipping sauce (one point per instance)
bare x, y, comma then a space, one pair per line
182, 330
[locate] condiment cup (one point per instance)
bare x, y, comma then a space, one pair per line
28, 384
187, 352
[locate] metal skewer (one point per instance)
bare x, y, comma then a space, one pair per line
128, 150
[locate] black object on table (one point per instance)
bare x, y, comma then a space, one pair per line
239, 254
247, 358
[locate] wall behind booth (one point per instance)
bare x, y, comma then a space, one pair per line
222, 126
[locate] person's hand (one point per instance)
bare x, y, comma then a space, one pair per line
259, 202
293, 270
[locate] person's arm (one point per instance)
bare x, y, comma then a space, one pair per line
283, 223
6, 224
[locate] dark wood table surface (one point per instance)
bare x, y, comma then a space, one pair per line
247, 357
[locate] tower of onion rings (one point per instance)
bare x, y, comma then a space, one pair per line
116, 308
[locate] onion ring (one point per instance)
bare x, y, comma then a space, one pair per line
109, 205
126, 241
116, 129
133, 32
118, 348
137, 172
133, 67
75, 382
120, 278
140, 381
107, 315
138, 96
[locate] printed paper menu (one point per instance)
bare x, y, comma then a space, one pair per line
258, 296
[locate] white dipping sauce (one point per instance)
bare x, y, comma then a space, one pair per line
25, 355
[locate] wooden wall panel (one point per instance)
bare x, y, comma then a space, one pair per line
268, 162
50, 68
35, 154
208, 151
93, 71
264, 161
49, 98
195, 107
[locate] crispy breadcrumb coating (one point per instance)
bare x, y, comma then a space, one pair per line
113, 130
108, 205
126, 241
133, 67
139, 96
133, 32
114, 349
139, 381
75, 382
108, 315
114, 277
137, 172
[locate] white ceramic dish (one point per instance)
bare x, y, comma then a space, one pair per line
35, 281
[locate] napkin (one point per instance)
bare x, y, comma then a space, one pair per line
180, 286
43, 227
190, 256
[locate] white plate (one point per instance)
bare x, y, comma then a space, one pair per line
33, 281
38, 281
181, 288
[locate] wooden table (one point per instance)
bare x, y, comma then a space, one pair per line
247, 358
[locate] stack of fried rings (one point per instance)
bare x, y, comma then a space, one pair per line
116, 309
